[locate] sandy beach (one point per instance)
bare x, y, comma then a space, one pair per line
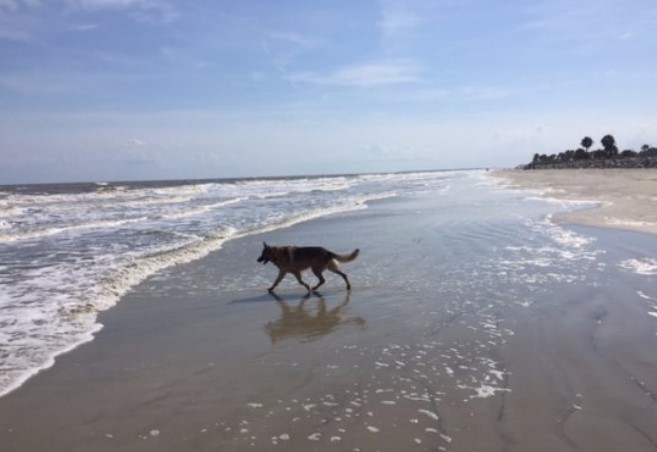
627, 197
457, 336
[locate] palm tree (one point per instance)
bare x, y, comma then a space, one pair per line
586, 143
609, 143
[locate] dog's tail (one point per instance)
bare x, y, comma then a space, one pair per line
346, 258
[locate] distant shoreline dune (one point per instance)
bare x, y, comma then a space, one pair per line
627, 197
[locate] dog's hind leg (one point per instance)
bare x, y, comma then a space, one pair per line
318, 273
279, 278
333, 266
298, 275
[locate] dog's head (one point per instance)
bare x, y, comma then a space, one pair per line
265, 256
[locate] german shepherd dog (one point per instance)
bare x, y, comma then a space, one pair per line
292, 259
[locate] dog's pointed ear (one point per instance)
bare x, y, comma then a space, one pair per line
265, 244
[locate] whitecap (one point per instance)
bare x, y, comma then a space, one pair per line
645, 266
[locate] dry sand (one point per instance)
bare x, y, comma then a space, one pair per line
627, 197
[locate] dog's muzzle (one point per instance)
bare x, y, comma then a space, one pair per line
264, 260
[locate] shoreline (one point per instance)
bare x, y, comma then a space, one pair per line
626, 198
124, 283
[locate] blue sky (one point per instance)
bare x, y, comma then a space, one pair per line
160, 89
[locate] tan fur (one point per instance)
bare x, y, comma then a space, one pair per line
292, 259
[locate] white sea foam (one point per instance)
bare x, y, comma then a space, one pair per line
568, 204
483, 391
447, 439
563, 236
628, 223
645, 297
645, 266
7, 211
34, 234
53, 307
428, 413
202, 209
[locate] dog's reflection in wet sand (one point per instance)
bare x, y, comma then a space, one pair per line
302, 321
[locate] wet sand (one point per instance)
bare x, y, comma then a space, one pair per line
201, 358
627, 197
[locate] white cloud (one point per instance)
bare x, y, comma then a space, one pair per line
31, 83
14, 35
414, 94
30, 20
84, 27
282, 48
364, 75
8, 5
292, 38
183, 58
148, 10
111, 4
396, 17
40, 83
485, 92
18, 22
15, 5
136, 142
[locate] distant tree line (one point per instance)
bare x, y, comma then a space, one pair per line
609, 151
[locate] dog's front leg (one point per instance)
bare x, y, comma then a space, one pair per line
279, 278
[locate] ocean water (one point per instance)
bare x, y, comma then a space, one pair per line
68, 252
